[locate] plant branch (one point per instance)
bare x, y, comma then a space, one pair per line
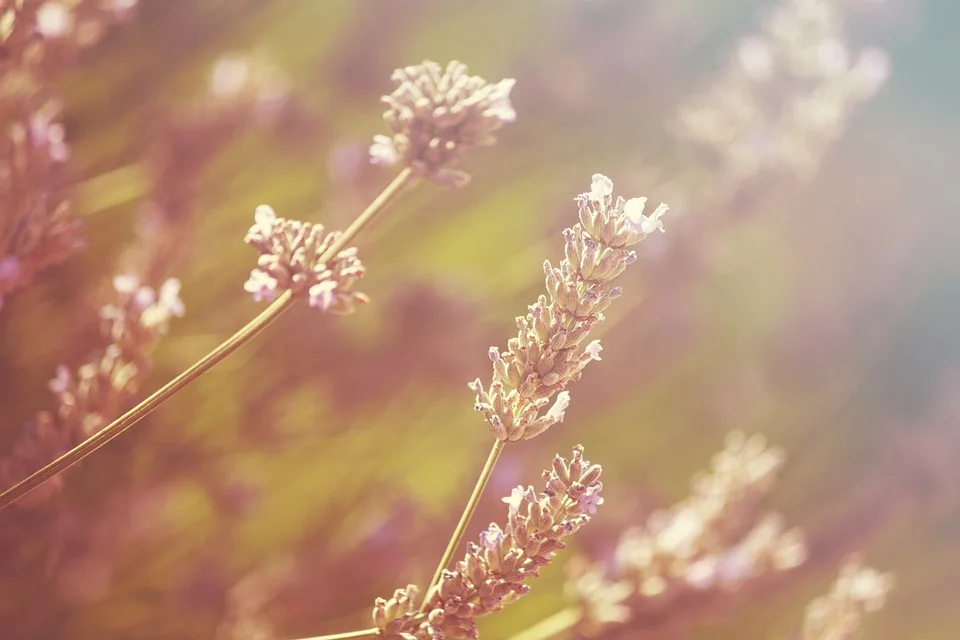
231, 344
551, 627
468, 510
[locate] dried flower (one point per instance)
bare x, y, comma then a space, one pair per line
290, 251
839, 614
713, 542
435, 115
494, 572
545, 356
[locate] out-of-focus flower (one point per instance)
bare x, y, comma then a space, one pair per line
712, 543
38, 41
786, 95
858, 590
54, 19
102, 387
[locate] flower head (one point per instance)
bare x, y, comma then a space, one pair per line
293, 257
436, 114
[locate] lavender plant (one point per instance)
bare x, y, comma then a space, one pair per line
839, 614
712, 541
38, 40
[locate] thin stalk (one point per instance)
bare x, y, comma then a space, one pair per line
207, 362
551, 627
364, 633
468, 510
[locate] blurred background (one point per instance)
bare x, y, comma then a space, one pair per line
807, 288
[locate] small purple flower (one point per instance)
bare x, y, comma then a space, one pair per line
593, 350
492, 537
126, 283
633, 210
382, 151
515, 499
601, 187
262, 285
502, 109
54, 20
591, 499
323, 294
559, 408
169, 297
144, 297
264, 218
61, 382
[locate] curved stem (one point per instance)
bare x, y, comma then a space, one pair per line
551, 627
231, 344
144, 408
468, 510
404, 179
364, 633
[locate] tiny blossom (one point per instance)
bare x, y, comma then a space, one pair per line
144, 297
590, 500
229, 76
169, 297
62, 381
600, 187
490, 538
126, 283
593, 350
833, 56
839, 614
501, 107
53, 19
322, 295
634, 208
755, 57
517, 497
559, 408
262, 285
382, 151
264, 218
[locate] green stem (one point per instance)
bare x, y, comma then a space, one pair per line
231, 344
468, 510
551, 627
364, 633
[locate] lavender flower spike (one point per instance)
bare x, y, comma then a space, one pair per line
546, 355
